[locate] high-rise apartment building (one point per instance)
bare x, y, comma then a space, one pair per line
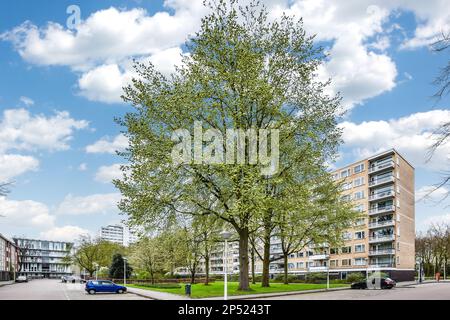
43, 258
118, 234
382, 189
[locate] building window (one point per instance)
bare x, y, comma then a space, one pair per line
299, 254
346, 197
333, 251
346, 186
345, 173
334, 263
359, 208
360, 221
360, 248
398, 246
358, 182
346, 262
398, 203
358, 195
346, 249
359, 168
299, 265
360, 235
347, 236
360, 261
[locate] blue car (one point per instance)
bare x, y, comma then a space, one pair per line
94, 286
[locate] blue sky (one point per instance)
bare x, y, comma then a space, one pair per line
60, 88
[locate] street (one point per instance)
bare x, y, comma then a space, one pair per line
431, 291
47, 289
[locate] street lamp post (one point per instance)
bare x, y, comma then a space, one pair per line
225, 236
125, 271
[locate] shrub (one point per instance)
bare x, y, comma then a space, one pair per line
355, 277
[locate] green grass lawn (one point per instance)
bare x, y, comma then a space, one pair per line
215, 289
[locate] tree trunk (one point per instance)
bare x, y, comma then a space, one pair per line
193, 276
207, 269
243, 260
266, 263
285, 258
152, 277
253, 266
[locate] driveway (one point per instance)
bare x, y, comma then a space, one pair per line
431, 291
47, 289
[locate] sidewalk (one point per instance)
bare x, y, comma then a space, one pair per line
156, 295
5, 283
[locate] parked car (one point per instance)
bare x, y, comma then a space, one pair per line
94, 286
386, 283
22, 279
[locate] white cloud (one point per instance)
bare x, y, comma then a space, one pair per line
101, 48
66, 233
23, 131
12, 165
25, 213
27, 101
106, 174
437, 219
104, 83
88, 205
82, 167
412, 135
106, 145
429, 194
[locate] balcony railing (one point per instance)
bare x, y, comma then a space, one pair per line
319, 256
318, 269
381, 166
382, 209
379, 181
382, 265
381, 252
382, 223
384, 238
381, 195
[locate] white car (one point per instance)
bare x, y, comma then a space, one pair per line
21, 279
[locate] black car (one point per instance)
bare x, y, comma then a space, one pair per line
386, 283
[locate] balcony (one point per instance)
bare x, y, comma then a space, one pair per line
383, 209
382, 252
380, 224
382, 265
382, 195
381, 166
319, 256
318, 269
384, 238
381, 181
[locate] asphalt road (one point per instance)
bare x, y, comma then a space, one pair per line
46, 289
431, 291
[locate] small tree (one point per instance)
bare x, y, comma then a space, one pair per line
148, 255
116, 271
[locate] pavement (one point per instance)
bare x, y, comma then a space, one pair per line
405, 291
47, 289
155, 295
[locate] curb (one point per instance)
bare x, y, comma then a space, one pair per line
281, 294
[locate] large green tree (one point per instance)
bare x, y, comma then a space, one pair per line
243, 72
91, 252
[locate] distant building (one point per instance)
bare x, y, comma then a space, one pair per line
8, 259
118, 234
43, 258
